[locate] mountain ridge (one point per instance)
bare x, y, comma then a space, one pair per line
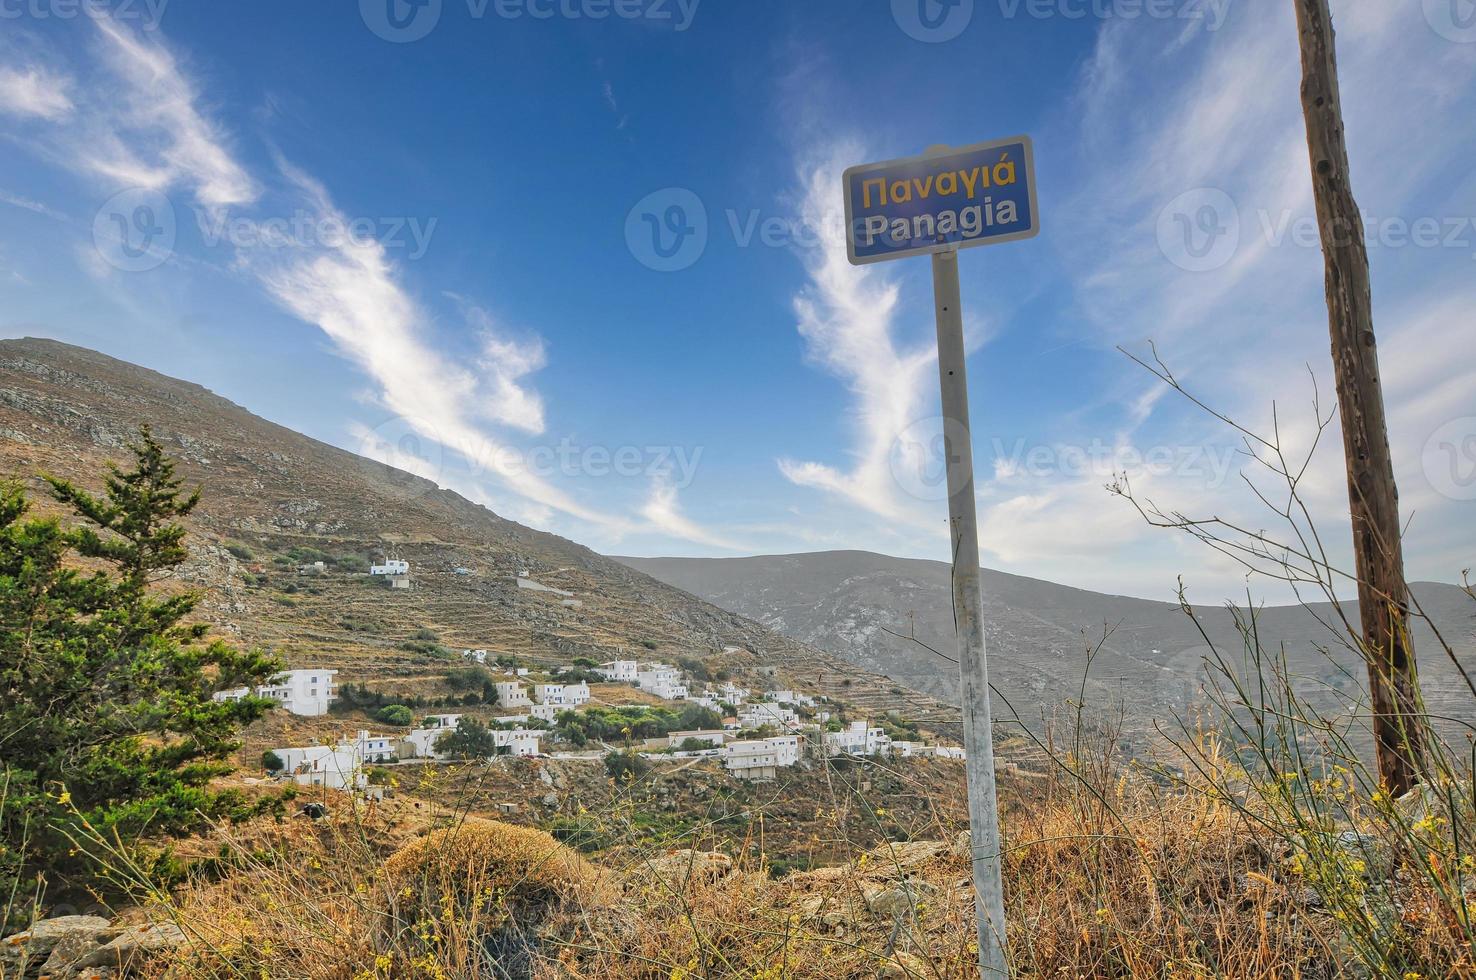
1146, 653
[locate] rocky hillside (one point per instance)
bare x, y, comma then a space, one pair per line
274, 498
1038, 632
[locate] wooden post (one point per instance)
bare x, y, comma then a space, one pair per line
1383, 597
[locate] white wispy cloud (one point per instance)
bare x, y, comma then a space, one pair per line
34, 91
350, 290
154, 133
847, 317
663, 512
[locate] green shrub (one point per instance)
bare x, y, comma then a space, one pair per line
395, 714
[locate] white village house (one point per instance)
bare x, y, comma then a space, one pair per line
763, 713
301, 692
336, 767
618, 671
511, 694
561, 695
761, 758
391, 566
857, 739
662, 680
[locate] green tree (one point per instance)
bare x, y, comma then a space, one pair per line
272, 762
471, 740
395, 714
106, 715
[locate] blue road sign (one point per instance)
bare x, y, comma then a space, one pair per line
950, 199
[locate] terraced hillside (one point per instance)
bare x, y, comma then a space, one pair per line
275, 499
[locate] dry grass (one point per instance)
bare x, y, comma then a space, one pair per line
1124, 877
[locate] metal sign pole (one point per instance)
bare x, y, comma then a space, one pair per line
968, 614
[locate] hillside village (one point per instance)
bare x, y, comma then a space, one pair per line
530, 712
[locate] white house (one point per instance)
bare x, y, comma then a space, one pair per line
948, 752
545, 712
761, 758
376, 748
730, 693
511, 694
767, 713
662, 680
421, 743
906, 750
790, 697
479, 656
618, 671
522, 741
337, 767
391, 566
561, 695
858, 739
301, 692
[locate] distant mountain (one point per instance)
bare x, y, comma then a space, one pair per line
272, 496
854, 604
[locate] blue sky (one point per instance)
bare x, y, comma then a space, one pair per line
428, 243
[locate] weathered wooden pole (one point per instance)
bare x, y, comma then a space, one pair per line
1383, 596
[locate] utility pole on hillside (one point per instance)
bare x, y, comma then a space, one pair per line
1383, 595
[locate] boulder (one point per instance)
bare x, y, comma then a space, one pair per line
685, 865
134, 945
24, 954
